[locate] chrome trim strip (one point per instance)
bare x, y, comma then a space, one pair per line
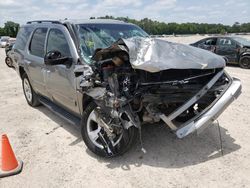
195, 98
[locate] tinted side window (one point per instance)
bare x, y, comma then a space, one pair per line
38, 42
226, 42
58, 42
201, 41
211, 41
22, 37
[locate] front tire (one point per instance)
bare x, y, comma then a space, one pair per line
30, 95
245, 62
89, 132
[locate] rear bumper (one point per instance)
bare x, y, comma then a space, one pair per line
206, 119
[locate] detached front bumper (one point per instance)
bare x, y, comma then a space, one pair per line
206, 119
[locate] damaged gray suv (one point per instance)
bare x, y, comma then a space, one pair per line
110, 78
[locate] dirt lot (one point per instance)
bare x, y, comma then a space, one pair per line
54, 154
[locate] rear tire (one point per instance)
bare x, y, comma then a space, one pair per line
245, 62
128, 137
30, 95
9, 62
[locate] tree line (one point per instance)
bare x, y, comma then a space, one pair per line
156, 28
160, 28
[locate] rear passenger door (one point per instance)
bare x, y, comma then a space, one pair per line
61, 79
228, 48
20, 46
35, 60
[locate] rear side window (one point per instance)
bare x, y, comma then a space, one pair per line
38, 42
22, 37
226, 42
58, 42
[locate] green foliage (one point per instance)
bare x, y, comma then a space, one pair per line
156, 28
160, 28
9, 29
2, 32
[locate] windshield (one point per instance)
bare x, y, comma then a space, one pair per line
243, 41
94, 36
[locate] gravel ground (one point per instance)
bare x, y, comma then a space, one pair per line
54, 154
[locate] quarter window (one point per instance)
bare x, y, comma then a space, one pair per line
22, 37
58, 42
38, 42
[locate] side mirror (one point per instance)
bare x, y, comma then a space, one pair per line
55, 58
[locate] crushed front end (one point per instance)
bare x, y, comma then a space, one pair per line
186, 97
193, 103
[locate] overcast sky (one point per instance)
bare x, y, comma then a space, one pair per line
209, 11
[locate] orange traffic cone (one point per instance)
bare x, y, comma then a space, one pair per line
10, 166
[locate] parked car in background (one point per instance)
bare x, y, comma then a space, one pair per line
9, 45
4, 41
234, 49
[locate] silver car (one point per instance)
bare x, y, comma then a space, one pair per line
4, 41
110, 78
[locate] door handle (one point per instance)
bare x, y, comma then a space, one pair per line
28, 62
44, 70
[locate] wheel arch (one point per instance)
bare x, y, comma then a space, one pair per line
86, 100
245, 54
21, 71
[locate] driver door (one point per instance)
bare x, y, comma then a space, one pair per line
60, 81
209, 44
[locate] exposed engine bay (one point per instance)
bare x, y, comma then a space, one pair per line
130, 94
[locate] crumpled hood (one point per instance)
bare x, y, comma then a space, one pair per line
155, 55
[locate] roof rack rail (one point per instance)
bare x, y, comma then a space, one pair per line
44, 21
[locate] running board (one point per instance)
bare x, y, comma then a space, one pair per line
70, 118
